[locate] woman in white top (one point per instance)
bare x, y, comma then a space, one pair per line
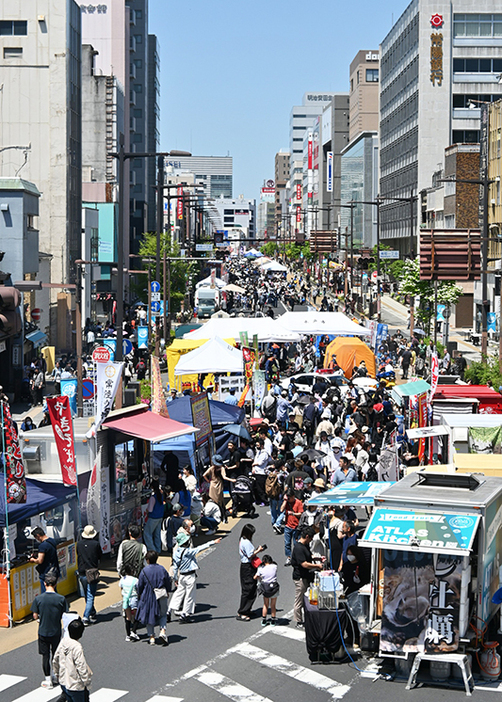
247, 553
189, 479
269, 588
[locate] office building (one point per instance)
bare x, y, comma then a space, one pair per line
436, 61
238, 216
363, 95
265, 224
153, 135
359, 182
214, 173
281, 181
40, 54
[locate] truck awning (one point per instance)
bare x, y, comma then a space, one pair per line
148, 426
350, 494
424, 530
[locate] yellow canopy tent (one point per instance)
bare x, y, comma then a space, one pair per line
349, 352
173, 354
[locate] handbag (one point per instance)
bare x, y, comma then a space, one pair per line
159, 592
255, 562
92, 575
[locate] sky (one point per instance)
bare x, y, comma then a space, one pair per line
231, 71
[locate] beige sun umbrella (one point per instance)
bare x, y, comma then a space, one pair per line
233, 288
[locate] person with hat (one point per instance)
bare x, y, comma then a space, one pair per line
88, 556
173, 395
185, 569
231, 399
283, 408
319, 487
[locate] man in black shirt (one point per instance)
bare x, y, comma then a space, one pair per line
303, 571
48, 608
47, 558
88, 557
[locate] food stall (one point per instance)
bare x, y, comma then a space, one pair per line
485, 400
435, 540
54, 508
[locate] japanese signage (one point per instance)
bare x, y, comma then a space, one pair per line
437, 58
350, 493
14, 468
318, 98
399, 528
60, 414
201, 417
422, 422
329, 176
298, 214
421, 602
259, 387
310, 142
298, 191
108, 377
434, 373
249, 356
179, 205
158, 399
92, 9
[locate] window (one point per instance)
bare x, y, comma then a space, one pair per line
474, 25
138, 113
463, 101
12, 52
477, 65
138, 38
372, 75
358, 77
351, 85
465, 136
15, 28
137, 87
138, 63
139, 14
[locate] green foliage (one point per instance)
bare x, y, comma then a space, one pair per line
269, 249
396, 269
145, 391
480, 372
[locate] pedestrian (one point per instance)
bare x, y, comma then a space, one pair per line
211, 515
268, 587
303, 571
292, 508
132, 552
215, 475
48, 608
405, 363
155, 512
47, 556
129, 585
249, 562
153, 586
70, 667
185, 569
28, 424
259, 470
88, 557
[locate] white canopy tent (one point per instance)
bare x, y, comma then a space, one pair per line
219, 283
215, 356
263, 261
266, 329
274, 267
317, 323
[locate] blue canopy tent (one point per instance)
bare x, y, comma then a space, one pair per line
40, 497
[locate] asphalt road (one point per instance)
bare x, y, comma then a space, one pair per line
217, 658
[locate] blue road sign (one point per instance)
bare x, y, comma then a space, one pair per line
155, 307
155, 286
87, 389
126, 346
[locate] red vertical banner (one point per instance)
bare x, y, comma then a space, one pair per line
310, 152
422, 422
298, 214
60, 415
14, 467
298, 191
179, 203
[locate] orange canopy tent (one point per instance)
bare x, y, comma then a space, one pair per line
349, 351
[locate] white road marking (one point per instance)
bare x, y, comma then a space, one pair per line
107, 694
292, 670
287, 632
225, 686
163, 698
40, 694
7, 681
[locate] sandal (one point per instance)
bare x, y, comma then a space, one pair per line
243, 618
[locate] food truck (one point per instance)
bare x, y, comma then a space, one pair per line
435, 543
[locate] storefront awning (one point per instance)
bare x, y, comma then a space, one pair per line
40, 497
37, 338
351, 494
416, 387
424, 530
147, 425
427, 432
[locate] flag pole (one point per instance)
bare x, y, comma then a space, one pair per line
6, 548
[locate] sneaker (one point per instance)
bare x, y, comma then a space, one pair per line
169, 616
273, 621
264, 622
210, 532
93, 619
276, 529
152, 641
164, 638
128, 638
185, 620
134, 636
47, 683
85, 622
300, 625
288, 562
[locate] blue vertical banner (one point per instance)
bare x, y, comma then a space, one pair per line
440, 313
69, 387
381, 335
112, 345
142, 337
492, 321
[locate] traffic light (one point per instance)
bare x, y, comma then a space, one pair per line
10, 317
364, 262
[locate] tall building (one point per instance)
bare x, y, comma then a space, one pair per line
437, 58
40, 126
265, 224
153, 135
363, 95
281, 180
215, 173
239, 218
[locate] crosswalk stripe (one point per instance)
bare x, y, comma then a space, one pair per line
293, 670
163, 698
229, 688
7, 681
40, 694
295, 634
107, 694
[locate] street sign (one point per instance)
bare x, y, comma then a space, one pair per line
155, 308
155, 297
162, 307
374, 276
35, 314
155, 286
87, 389
389, 254
204, 247
126, 346
101, 355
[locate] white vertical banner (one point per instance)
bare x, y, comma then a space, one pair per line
107, 381
329, 172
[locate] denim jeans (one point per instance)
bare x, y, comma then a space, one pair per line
161, 619
275, 506
279, 522
88, 590
289, 538
151, 534
209, 522
76, 695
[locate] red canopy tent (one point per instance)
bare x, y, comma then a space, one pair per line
490, 401
143, 424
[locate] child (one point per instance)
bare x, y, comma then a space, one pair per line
268, 587
128, 584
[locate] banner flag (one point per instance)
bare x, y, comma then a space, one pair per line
158, 398
107, 383
60, 414
13, 460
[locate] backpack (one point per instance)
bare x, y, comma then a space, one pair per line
372, 474
272, 486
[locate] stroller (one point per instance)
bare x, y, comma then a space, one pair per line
242, 496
